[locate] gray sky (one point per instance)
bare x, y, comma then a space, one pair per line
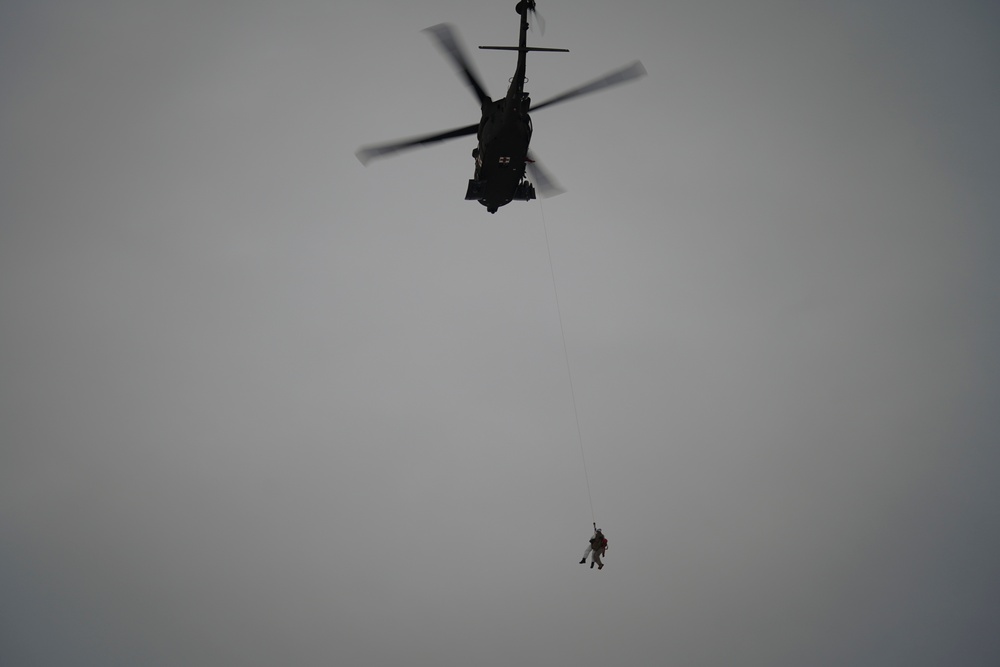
262, 405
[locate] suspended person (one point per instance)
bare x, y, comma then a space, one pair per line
598, 545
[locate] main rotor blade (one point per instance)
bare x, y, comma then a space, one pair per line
366, 153
545, 184
448, 40
633, 71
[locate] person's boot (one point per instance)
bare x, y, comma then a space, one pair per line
591, 565
601, 566
583, 560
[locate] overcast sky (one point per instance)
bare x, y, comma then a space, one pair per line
261, 405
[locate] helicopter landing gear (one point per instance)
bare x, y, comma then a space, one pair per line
525, 191
475, 191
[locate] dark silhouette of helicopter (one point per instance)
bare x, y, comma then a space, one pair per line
504, 131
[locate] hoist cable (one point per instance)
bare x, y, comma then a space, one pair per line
569, 372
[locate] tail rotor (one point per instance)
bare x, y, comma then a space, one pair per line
538, 19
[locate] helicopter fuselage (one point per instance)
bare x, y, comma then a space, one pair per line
504, 136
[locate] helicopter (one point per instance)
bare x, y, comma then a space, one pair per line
504, 130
